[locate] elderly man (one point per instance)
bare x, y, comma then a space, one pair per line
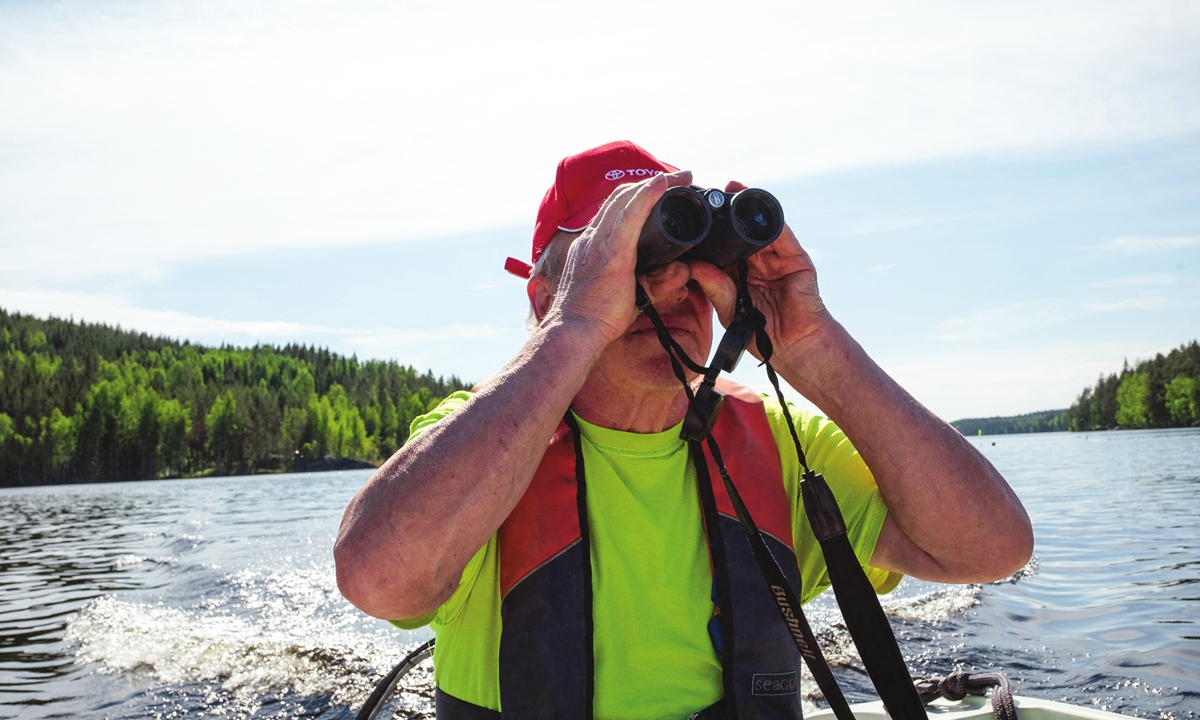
550, 525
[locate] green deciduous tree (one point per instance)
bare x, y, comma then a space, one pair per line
224, 433
56, 443
1153, 393
1183, 400
1133, 401
337, 428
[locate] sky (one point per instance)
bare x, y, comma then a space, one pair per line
1002, 199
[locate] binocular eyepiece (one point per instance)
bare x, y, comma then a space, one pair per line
708, 224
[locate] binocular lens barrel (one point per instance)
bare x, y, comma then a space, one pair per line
680, 219
683, 218
710, 225
757, 216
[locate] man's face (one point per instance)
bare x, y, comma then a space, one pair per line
637, 358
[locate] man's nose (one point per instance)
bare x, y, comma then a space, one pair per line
669, 286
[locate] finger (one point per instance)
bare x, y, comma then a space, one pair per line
679, 178
717, 285
787, 243
733, 186
783, 255
606, 217
629, 222
622, 195
668, 284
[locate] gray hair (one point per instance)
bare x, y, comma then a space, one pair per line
550, 264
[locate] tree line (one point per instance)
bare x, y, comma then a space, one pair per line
1043, 421
85, 402
1162, 392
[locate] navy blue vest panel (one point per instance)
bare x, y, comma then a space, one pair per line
543, 648
448, 707
766, 663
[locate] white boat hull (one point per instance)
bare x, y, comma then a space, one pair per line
980, 708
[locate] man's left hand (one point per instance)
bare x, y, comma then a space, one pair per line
782, 283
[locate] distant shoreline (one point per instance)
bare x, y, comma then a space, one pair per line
1160, 393
1034, 422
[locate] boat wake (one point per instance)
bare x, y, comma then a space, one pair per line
267, 635
289, 634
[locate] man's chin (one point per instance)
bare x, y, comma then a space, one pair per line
656, 369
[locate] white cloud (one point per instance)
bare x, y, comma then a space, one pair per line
120, 310
139, 134
957, 381
1146, 280
1140, 245
1002, 321
412, 346
1018, 318
962, 382
1153, 302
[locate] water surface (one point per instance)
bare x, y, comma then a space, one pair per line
216, 596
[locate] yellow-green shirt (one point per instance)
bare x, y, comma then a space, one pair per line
651, 576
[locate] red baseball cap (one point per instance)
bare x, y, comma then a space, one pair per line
581, 186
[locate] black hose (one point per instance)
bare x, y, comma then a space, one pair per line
388, 684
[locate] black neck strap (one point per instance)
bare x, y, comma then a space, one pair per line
785, 596
864, 616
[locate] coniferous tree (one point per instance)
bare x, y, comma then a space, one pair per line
84, 402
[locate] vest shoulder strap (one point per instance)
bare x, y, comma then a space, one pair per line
544, 522
752, 458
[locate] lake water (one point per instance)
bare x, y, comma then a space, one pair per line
216, 596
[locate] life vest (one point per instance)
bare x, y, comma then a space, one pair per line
545, 642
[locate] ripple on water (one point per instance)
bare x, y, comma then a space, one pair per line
217, 596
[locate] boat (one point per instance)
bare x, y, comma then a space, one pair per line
1003, 705
980, 708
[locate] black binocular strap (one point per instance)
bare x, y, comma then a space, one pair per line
781, 590
865, 619
856, 597
785, 597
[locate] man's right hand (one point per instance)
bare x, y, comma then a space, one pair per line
408, 533
596, 290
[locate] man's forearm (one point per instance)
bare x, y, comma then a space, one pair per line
408, 533
942, 494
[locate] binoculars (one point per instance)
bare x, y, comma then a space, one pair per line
694, 223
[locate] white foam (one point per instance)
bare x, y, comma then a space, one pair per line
279, 631
127, 561
934, 606
1028, 571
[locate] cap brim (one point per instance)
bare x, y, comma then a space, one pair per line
520, 268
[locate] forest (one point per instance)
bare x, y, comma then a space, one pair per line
85, 402
1163, 392
1044, 421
